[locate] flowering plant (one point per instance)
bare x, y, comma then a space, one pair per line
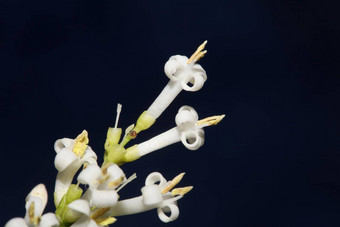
99, 205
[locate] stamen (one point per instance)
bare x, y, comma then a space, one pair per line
105, 167
119, 109
103, 179
173, 183
131, 178
96, 214
214, 120
181, 191
31, 212
199, 53
115, 183
105, 221
80, 143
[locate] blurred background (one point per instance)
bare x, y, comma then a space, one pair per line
272, 68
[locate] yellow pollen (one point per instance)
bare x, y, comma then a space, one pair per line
80, 143
105, 221
96, 214
199, 53
214, 120
181, 191
34, 220
173, 183
115, 183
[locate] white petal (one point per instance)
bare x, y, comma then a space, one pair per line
39, 207
174, 66
84, 221
155, 177
103, 198
186, 117
174, 213
90, 175
16, 222
81, 206
40, 192
198, 77
115, 172
152, 195
63, 159
193, 139
92, 224
49, 220
63, 143
89, 156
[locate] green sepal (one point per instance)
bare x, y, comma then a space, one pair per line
65, 214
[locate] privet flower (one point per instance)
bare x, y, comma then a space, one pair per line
189, 131
154, 196
102, 184
184, 74
35, 205
71, 155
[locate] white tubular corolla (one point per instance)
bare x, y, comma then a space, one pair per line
153, 196
180, 74
184, 74
71, 155
35, 205
187, 131
102, 184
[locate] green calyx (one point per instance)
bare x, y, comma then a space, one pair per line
65, 215
115, 152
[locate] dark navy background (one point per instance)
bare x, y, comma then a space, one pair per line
272, 68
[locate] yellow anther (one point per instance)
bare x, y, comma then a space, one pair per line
80, 143
98, 213
173, 183
214, 120
199, 53
105, 221
103, 179
105, 167
34, 220
31, 212
181, 191
115, 183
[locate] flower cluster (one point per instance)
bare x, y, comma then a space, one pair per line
99, 205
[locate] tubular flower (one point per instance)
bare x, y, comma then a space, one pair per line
71, 155
154, 196
35, 205
102, 184
184, 74
189, 131
89, 218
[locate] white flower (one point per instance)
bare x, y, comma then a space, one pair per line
154, 196
102, 184
180, 74
88, 217
184, 74
35, 205
189, 131
71, 155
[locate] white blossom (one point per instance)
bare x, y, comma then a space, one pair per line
35, 205
71, 155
